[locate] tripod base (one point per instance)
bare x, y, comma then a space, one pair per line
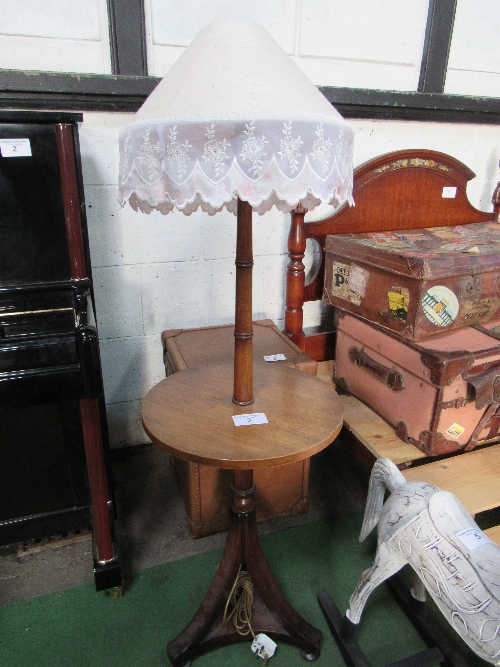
271, 612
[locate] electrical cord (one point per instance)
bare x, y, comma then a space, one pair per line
241, 600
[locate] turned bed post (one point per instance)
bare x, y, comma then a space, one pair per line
496, 202
295, 278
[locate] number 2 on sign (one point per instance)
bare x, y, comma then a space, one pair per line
15, 148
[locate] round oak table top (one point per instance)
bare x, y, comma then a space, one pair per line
190, 415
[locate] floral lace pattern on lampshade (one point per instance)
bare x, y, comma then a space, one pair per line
190, 162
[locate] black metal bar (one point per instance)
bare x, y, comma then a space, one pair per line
127, 34
441, 650
437, 43
49, 117
31, 527
93, 92
428, 630
429, 658
396, 105
48, 286
64, 83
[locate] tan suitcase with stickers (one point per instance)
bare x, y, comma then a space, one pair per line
417, 283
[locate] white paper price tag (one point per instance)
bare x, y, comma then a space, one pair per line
15, 147
275, 357
472, 538
250, 419
449, 193
263, 647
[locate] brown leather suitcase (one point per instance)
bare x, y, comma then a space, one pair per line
280, 490
186, 348
441, 395
417, 282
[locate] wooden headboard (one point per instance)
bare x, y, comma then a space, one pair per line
401, 190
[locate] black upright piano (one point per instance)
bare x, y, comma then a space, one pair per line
55, 475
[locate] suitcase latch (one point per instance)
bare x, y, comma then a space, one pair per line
471, 287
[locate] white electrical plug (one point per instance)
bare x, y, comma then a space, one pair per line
263, 647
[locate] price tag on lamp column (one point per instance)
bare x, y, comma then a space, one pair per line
15, 147
250, 419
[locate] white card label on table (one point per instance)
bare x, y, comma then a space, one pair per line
472, 538
449, 193
15, 147
275, 357
250, 419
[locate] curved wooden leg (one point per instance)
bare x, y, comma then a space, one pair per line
205, 630
271, 612
293, 628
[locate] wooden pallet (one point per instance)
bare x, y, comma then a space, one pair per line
376, 435
474, 477
494, 534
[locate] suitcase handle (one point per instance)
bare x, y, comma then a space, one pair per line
486, 385
389, 376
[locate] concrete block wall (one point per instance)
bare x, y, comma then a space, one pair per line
353, 43
156, 272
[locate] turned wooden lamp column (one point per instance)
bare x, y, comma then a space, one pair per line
243, 356
243, 486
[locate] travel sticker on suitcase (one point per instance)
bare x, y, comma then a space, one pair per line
440, 305
349, 282
399, 298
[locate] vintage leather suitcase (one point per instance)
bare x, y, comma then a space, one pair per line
418, 282
280, 490
441, 395
186, 348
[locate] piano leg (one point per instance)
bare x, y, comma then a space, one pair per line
107, 570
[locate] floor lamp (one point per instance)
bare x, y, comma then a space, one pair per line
236, 124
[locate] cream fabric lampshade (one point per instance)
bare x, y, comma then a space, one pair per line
235, 117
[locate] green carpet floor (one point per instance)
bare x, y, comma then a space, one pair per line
82, 628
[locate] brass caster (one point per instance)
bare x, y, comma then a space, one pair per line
117, 591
